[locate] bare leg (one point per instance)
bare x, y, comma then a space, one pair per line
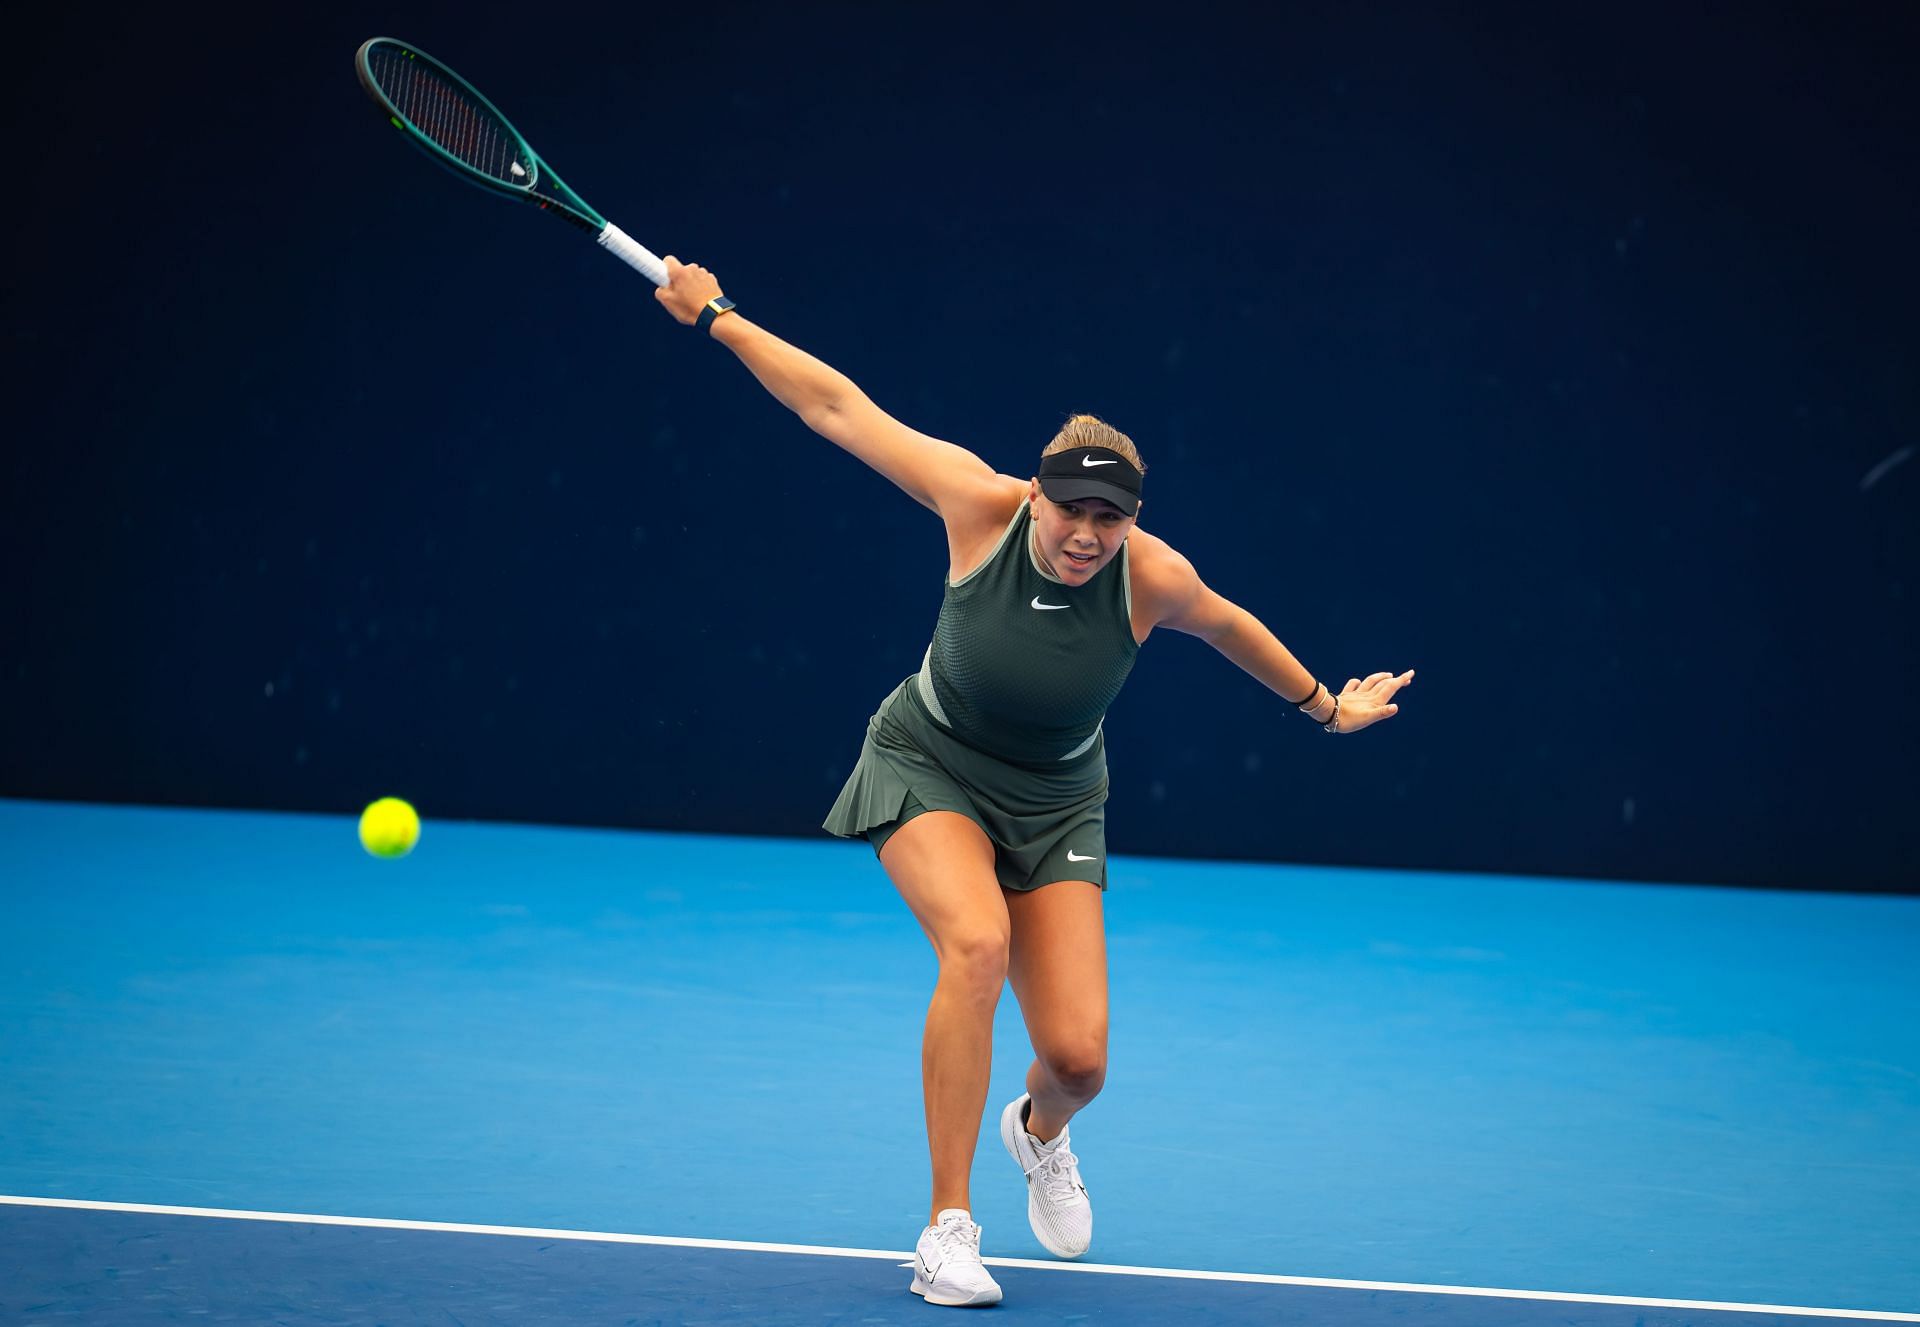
942, 864
1059, 970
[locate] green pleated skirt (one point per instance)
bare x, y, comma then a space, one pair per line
1046, 823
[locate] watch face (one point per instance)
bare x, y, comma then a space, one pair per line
721, 303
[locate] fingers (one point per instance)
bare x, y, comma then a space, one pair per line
1368, 702
675, 266
1384, 686
1362, 715
681, 294
1380, 684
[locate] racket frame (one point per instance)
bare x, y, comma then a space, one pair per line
571, 208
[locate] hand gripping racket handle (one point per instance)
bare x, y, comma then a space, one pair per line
633, 253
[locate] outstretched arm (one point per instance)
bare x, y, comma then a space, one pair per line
933, 473
1181, 600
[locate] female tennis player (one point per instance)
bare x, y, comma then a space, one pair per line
983, 779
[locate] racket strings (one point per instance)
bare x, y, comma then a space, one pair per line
448, 117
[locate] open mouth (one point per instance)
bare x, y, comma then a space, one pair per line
1081, 561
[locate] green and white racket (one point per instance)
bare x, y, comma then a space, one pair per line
446, 117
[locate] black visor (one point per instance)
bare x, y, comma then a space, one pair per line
1091, 472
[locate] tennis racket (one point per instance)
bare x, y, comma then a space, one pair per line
446, 117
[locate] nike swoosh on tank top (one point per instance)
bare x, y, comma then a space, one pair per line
1028, 685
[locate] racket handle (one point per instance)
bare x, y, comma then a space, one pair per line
633, 253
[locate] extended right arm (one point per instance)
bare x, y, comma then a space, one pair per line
934, 473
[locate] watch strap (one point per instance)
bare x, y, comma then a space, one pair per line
712, 309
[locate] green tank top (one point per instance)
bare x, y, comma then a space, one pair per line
1024, 667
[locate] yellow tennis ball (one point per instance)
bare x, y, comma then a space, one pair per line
389, 828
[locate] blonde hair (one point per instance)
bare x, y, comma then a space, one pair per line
1092, 431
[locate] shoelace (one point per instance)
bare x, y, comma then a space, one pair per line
958, 1239
1056, 1172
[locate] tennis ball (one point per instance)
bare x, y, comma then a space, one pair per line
389, 828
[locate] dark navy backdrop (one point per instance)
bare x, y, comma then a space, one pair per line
1565, 356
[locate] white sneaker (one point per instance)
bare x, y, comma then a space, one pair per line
1058, 1208
946, 1263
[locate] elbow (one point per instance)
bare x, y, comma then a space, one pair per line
1225, 630
819, 416
827, 417
827, 414
1217, 633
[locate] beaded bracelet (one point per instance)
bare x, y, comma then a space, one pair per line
1307, 706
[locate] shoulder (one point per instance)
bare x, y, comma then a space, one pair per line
981, 502
1168, 592
976, 514
1157, 567
1163, 581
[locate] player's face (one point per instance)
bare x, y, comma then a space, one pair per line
1076, 539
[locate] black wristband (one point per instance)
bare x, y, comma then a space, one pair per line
1312, 696
712, 309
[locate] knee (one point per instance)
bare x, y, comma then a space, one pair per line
977, 960
1080, 1068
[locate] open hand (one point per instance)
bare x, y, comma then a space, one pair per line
689, 287
1363, 704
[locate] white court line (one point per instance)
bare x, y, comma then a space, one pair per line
821, 1250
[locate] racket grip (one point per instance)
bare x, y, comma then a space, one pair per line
634, 254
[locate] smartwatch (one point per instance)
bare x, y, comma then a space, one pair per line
712, 309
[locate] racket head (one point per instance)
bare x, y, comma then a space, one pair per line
449, 119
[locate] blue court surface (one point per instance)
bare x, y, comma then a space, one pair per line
533, 1075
